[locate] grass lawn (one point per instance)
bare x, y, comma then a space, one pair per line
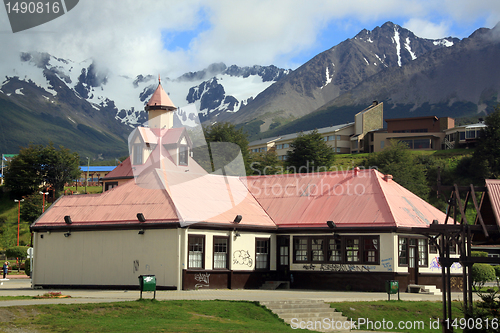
203, 316
81, 189
410, 313
144, 316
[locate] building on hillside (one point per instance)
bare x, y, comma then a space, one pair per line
344, 139
118, 176
419, 133
95, 173
350, 230
464, 136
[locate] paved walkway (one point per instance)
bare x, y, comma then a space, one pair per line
22, 287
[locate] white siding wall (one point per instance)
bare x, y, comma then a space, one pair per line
106, 257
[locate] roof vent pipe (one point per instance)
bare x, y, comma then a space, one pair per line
387, 178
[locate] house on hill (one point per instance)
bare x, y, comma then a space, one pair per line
169, 217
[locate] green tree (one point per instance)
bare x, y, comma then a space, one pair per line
19, 252
31, 207
486, 157
396, 159
227, 132
309, 153
482, 273
265, 163
37, 164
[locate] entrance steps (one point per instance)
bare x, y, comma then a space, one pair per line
310, 314
423, 289
273, 285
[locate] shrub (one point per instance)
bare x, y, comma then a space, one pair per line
482, 273
497, 270
27, 267
479, 254
17, 252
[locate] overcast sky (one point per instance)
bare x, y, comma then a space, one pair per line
173, 37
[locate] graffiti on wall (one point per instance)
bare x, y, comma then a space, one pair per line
242, 257
136, 265
387, 263
203, 280
434, 265
338, 268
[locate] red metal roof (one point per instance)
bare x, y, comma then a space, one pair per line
188, 194
119, 205
160, 98
493, 186
123, 170
365, 200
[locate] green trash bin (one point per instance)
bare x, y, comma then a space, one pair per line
392, 287
147, 283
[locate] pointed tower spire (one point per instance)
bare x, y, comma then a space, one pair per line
160, 108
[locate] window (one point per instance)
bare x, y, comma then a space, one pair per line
283, 251
433, 248
331, 137
334, 250
409, 249
421, 144
352, 249
286, 145
328, 249
462, 135
470, 134
409, 143
300, 249
422, 252
183, 155
382, 143
317, 253
338, 150
137, 153
338, 137
280, 146
221, 245
196, 251
325, 138
262, 253
370, 249
403, 251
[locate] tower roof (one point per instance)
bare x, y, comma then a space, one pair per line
160, 99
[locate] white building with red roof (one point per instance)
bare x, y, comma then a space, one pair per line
163, 214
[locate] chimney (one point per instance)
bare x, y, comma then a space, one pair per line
387, 178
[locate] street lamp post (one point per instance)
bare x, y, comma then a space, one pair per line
18, 222
43, 200
87, 179
18, 217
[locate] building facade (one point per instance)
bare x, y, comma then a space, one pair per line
350, 230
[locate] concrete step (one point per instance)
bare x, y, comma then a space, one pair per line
309, 314
272, 285
424, 289
297, 309
298, 306
325, 314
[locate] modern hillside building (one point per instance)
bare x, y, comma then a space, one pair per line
344, 139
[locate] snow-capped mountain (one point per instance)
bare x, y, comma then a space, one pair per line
336, 71
214, 90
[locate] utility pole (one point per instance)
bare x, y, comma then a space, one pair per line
87, 179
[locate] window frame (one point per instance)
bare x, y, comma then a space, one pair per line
327, 251
268, 257
226, 264
203, 252
417, 251
183, 156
